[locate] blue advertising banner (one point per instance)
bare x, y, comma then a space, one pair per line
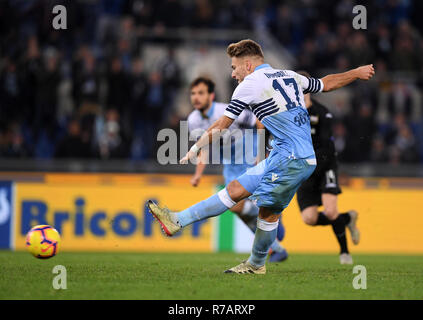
6, 214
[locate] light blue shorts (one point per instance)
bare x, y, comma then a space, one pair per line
233, 171
274, 181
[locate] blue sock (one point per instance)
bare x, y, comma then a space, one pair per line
276, 246
262, 242
281, 231
251, 223
213, 206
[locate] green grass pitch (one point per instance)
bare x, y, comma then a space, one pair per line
157, 276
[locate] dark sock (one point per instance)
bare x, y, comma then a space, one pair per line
338, 226
322, 220
345, 217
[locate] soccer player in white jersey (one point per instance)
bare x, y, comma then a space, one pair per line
276, 98
206, 112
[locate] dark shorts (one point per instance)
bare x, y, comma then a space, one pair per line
323, 180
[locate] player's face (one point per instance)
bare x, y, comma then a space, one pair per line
201, 99
239, 68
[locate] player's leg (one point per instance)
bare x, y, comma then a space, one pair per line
245, 208
248, 211
278, 252
277, 188
339, 223
172, 222
310, 215
330, 206
265, 235
309, 199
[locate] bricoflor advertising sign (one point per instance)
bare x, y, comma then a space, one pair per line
6, 215
108, 217
107, 212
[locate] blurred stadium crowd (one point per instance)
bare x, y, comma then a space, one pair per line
116, 107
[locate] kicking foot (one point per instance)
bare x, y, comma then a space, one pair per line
278, 256
345, 258
246, 267
352, 226
165, 217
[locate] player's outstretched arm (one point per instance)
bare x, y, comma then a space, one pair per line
199, 169
339, 80
214, 130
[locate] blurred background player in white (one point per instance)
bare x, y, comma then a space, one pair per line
207, 111
322, 187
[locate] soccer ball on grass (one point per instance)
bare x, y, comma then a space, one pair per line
43, 241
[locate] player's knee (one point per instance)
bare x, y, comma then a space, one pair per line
331, 213
236, 191
269, 215
309, 219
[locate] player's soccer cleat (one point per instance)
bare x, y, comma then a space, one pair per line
278, 256
345, 258
246, 267
165, 217
352, 226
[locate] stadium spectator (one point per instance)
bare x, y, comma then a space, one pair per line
73, 145
138, 89
85, 78
12, 142
97, 54
110, 141
117, 87
361, 127
47, 83
379, 153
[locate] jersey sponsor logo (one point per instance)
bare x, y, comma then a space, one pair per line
331, 179
274, 177
301, 118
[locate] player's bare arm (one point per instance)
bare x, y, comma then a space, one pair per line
213, 131
259, 158
339, 80
199, 169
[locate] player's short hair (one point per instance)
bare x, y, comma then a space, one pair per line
304, 73
207, 81
245, 48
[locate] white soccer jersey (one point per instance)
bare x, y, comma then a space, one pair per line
276, 97
198, 124
196, 120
